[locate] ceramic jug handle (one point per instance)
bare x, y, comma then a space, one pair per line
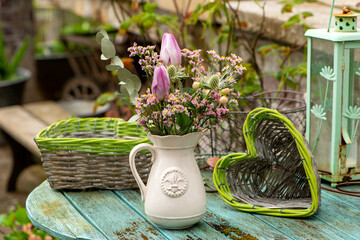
133, 153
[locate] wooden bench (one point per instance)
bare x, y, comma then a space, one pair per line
20, 124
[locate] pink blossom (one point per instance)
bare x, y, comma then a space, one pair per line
170, 52
161, 82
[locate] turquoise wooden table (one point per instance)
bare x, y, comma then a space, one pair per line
120, 215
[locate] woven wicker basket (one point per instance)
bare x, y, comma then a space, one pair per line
92, 153
276, 176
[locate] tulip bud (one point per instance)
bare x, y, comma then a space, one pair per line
225, 91
160, 86
171, 71
214, 82
196, 85
170, 52
224, 100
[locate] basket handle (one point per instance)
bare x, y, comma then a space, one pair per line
135, 173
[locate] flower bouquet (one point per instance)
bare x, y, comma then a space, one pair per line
185, 95
185, 99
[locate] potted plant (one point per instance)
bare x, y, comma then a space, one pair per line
12, 78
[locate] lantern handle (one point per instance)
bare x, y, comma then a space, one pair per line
332, 8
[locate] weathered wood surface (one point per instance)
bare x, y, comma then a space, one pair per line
51, 212
22, 123
21, 126
47, 111
120, 215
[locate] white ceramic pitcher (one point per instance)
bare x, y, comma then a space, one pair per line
174, 196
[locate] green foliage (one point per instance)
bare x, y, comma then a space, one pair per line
86, 26
130, 83
147, 19
8, 66
20, 225
250, 81
296, 18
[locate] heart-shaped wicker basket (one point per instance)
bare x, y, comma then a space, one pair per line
276, 176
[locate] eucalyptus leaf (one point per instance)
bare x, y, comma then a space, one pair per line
133, 97
107, 48
123, 91
125, 75
117, 61
112, 67
133, 118
100, 35
102, 57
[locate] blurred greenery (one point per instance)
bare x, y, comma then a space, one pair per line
86, 26
20, 225
9, 65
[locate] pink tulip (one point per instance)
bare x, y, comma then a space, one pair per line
170, 52
160, 86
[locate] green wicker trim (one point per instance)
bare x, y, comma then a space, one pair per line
101, 136
220, 179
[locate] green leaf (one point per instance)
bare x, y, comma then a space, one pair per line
298, 1
291, 83
125, 24
148, 20
39, 233
21, 216
16, 236
306, 14
104, 98
10, 220
182, 120
150, 7
293, 20
222, 37
248, 89
287, 8
107, 48
2, 219
100, 35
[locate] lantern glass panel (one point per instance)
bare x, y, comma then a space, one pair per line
322, 81
351, 111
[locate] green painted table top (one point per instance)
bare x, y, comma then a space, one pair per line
120, 215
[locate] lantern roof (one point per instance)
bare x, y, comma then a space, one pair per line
349, 14
333, 36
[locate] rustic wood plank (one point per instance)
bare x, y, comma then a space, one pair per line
340, 216
21, 126
199, 231
239, 224
294, 228
51, 212
112, 216
352, 201
47, 111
